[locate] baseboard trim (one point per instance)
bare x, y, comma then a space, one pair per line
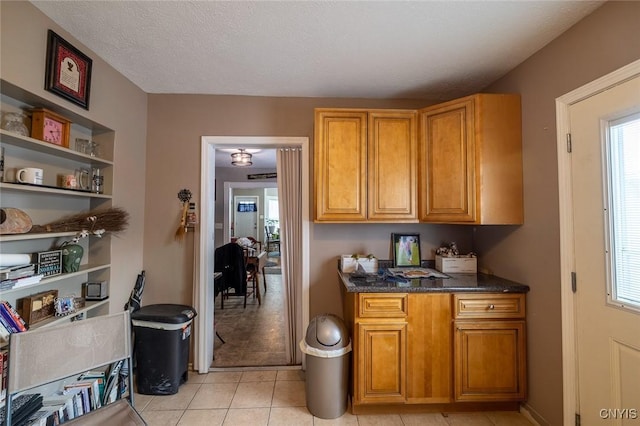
532, 415
265, 368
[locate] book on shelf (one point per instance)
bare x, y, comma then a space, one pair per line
77, 403
20, 282
89, 393
4, 334
12, 317
33, 279
90, 387
112, 384
4, 372
7, 323
99, 377
66, 400
46, 416
17, 271
7, 284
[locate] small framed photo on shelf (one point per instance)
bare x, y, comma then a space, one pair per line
406, 249
68, 71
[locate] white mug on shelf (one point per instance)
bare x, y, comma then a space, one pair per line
30, 175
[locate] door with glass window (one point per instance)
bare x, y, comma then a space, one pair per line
605, 163
245, 223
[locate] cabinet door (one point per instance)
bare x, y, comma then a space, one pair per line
490, 361
381, 367
447, 163
392, 174
340, 161
429, 349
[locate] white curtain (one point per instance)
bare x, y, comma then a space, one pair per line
289, 170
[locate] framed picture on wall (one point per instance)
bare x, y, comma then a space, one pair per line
406, 249
68, 71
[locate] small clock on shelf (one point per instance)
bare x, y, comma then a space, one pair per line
50, 127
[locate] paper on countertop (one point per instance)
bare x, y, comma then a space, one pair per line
7, 259
416, 273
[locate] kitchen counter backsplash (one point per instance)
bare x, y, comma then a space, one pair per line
481, 283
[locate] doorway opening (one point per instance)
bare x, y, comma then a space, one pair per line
206, 240
254, 335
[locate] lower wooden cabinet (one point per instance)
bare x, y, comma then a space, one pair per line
381, 363
489, 360
430, 357
490, 347
379, 330
451, 349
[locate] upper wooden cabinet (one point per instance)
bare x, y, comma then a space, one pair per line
464, 166
365, 165
470, 161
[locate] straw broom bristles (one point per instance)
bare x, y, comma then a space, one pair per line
113, 219
182, 229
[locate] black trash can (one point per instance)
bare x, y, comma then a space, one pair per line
161, 347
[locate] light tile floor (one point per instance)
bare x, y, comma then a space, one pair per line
277, 397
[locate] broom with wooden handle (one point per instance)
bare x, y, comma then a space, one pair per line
182, 229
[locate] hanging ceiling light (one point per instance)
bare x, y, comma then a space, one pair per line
241, 158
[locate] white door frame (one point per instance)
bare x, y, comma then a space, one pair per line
567, 265
203, 276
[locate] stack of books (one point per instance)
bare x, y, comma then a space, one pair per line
10, 321
19, 276
73, 400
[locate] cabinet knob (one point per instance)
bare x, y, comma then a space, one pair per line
491, 307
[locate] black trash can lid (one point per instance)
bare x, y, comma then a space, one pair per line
165, 313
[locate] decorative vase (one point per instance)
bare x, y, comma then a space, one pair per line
71, 257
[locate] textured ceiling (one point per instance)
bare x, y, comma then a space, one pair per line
435, 50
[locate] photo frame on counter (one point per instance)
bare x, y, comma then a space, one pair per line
68, 71
406, 250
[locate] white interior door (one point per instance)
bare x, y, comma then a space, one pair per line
607, 331
245, 214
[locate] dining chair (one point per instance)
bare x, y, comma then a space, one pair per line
252, 264
230, 259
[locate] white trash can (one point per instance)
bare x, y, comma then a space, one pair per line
327, 346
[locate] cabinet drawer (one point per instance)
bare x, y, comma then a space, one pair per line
382, 305
489, 305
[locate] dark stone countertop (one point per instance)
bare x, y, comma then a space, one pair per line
480, 283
